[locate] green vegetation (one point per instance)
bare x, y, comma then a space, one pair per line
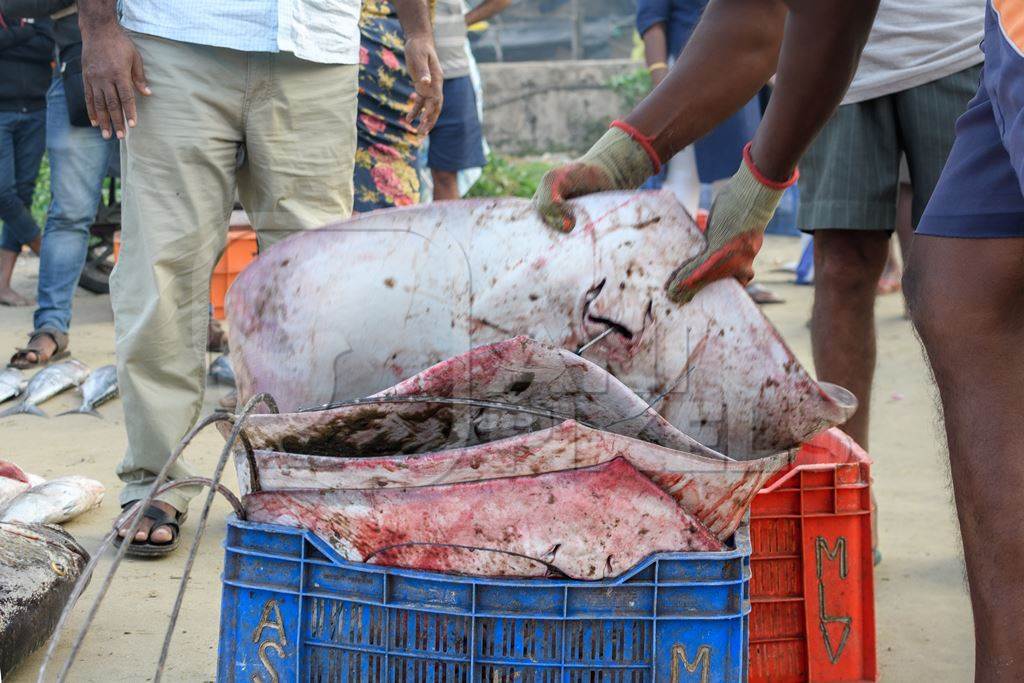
41, 199
631, 87
509, 177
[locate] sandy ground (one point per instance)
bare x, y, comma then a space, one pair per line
924, 622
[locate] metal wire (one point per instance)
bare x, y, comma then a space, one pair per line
240, 419
83, 580
228, 494
580, 350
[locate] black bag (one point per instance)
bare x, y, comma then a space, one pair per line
74, 85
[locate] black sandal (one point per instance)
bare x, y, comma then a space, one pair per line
160, 518
20, 359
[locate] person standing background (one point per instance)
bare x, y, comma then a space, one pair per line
189, 87
919, 69
457, 142
26, 55
387, 142
79, 158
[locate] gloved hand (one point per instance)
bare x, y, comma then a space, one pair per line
621, 160
734, 233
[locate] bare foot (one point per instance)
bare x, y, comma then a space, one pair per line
890, 281
146, 532
9, 297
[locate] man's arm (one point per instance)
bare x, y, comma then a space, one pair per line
651, 18
656, 53
111, 66
422, 63
733, 51
485, 10
821, 41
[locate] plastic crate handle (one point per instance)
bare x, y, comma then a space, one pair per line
817, 467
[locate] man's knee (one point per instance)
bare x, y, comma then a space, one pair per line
446, 184
960, 313
850, 259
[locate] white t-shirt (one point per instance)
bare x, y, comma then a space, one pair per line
914, 42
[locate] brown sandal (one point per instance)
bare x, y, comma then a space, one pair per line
21, 358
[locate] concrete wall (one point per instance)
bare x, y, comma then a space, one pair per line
562, 106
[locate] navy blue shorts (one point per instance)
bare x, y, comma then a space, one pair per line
979, 193
456, 142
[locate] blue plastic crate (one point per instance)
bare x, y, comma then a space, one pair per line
293, 610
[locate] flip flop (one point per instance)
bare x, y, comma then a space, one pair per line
160, 517
20, 358
762, 295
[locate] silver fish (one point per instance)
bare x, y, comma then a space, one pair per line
54, 501
12, 382
97, 390
222, 372
46, 384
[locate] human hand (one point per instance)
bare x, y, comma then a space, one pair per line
113, 71
425, 71
618, 161
735, 231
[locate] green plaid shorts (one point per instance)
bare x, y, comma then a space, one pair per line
851, 173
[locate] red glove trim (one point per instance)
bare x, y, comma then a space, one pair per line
764, 180
641, 139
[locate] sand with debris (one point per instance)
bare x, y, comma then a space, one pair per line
924, 620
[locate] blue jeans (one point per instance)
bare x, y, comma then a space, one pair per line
78, 163
22, 141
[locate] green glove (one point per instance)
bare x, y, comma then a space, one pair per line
621, 160
735, 231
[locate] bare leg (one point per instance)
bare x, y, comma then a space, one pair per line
905, 219
446, 185
965, 299
891, 274
9, 297
847, 264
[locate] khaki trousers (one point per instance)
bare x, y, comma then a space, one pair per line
181, 167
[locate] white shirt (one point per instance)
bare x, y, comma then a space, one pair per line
324, 31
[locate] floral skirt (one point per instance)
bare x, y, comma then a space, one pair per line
388, 147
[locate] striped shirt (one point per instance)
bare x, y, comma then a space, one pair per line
325, 31
450, 37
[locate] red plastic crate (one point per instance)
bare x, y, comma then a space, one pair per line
812, 592
240, 251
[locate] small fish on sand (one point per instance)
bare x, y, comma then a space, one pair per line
54, 501
46, 384
100, 387
12, 383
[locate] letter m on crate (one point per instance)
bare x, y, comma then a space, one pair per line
685, 669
